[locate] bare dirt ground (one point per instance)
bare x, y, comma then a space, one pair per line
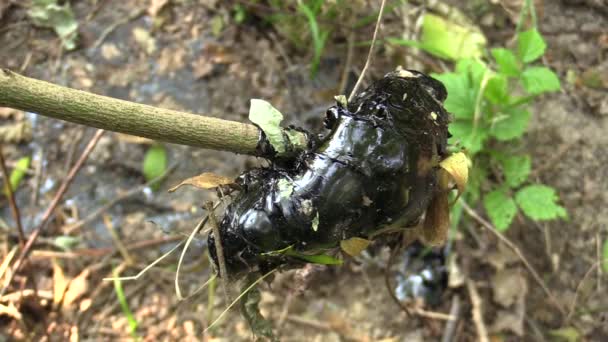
183, 57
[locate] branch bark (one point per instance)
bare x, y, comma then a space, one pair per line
116, 115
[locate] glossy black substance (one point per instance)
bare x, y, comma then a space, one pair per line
376, 168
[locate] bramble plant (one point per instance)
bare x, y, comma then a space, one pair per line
490, 95
491, 109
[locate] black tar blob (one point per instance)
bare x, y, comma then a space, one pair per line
375, 169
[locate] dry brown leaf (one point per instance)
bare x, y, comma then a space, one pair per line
354, 246
508, 285
10, 113
133, 139
16, 133
145, 40
10, 310
437, 218
205, 180
60, 283
457, 165
501, 257
156, 6
7, 260
78, 286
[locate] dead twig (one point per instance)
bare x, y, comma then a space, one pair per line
128, 259
482, 332
450, 326
488, 226
134, 15
54, 203
370, 53
218, 248
11, 198
578, 289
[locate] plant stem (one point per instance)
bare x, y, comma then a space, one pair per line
116, 115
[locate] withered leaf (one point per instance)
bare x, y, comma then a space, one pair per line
206, 180
457, 166
354, 246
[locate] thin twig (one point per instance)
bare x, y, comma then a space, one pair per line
482, 332
598, 256
218, 248
37, 177
369, 54
450, 326
134, 15
578, 289
128, 259
349, 58
487, 225
11, 199
54, 203
387, 281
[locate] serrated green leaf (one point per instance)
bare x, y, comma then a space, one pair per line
474, 68
497, 89
531, 45
510, 125
516, 169
461, 96
500, 208
605, 256
507, 62
449, 40
48, 13
155, 164
539, 202
18, 174
462, 131
268, 118
537, 80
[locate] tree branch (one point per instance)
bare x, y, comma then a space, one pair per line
116, 115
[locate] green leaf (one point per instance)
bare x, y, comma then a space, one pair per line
18, 174
568, 334
449, 40
462, 131
122, 300
537, 80
605, 256
497, 89
268, 118
319, 37
461, 96
474, 68
48, 13
510, 125
66, 242
500, 208
507, 62
516, 169
155, 164
531, 45
539, 202
321, 259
